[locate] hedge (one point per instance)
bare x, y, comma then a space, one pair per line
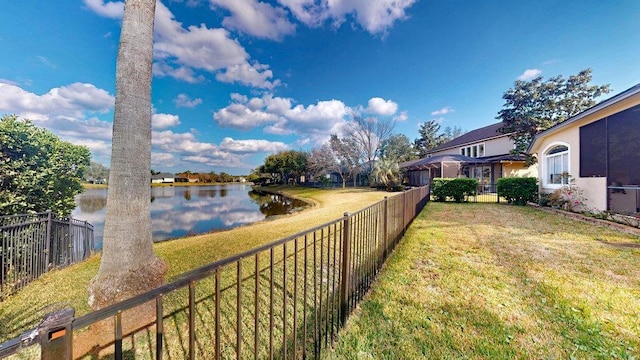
456, 189
518, 190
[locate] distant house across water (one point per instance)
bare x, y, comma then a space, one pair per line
163, 178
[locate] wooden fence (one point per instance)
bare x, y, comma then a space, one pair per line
33, 244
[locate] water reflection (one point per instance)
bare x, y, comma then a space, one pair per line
274, 204
181, 211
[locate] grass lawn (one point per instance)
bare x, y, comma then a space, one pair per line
67, 287
486, 281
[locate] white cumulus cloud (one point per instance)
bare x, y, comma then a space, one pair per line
184, 101
163, 121
252, 146
182, 52
529, 74
256, 18
381, 106
375, 16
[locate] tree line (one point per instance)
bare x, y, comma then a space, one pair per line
40, 172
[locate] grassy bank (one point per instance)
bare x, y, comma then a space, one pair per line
483, 281
67, 287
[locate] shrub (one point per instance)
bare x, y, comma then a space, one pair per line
569, 197
457, 189
518, 190
544, 199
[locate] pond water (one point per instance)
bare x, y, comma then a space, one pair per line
178, 211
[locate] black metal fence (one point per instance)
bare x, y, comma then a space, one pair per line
32, 244
286, 299
487, 193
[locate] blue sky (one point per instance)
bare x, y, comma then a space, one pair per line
236, 80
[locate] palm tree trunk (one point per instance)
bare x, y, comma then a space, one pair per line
128, 266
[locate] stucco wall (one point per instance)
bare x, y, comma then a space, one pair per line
594, 188
519, 170
493, 147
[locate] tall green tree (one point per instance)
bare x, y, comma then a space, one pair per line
285, 164
398, 148
128, 265
535, 105
451, 133
38, 171
430, 137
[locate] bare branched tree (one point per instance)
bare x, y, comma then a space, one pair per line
369, 134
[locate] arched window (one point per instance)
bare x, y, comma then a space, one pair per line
556, 165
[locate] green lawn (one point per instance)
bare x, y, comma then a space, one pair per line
486, 281
68, 287
478, 281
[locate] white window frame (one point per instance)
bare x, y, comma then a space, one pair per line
546, 176
476, 150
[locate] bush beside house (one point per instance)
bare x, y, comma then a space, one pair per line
456, 189
518, 190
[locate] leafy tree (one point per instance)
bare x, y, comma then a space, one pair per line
97, 172
128, 266
223, 177
285, 164
38, 171
430, 137
451, 133
535, 105
398, 148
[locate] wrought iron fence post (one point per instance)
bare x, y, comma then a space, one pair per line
47, 242
69, 247
346, 260
385, 225
55, 334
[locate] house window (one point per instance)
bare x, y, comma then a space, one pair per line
462, 151
481, 150
556, 165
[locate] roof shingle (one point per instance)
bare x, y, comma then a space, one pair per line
483, 133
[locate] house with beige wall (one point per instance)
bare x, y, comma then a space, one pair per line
599, 149
484, 154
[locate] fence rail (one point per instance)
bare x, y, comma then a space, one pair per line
286, 299
32, 244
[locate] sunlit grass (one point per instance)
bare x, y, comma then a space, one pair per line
68, 287
483, 281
